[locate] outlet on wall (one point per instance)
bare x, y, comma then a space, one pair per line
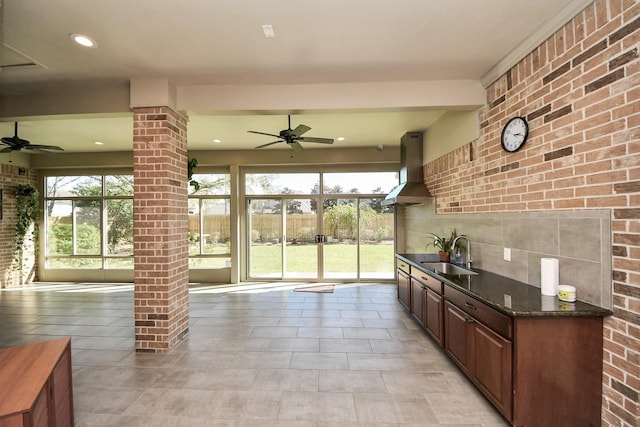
507, 254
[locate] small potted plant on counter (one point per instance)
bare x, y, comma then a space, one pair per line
445, 245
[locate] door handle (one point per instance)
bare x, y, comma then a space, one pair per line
320, 238
469, 305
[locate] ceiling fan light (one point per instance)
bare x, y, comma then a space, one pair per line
83, 40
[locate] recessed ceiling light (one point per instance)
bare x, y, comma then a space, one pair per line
341, 138
217, 141
98, 142
83, 40
268, 32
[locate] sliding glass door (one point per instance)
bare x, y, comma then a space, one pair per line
265, 233
283, 241
301, 249
325, 234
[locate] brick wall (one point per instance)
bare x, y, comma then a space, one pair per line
10, 176
580, 92
161, 278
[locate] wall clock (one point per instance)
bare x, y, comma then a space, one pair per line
514, 134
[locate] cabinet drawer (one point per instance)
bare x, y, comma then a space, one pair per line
500, 323
403, 266
430, 282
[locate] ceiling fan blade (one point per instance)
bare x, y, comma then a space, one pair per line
43, 148
7, 150
263, 133
41, 151
12, 140
268, 144
296, 145
319, 140
300, 129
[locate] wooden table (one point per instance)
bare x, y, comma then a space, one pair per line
35, 385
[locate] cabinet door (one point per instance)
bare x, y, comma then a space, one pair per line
40, 412
417, 301
433, 321
457, 340
17, 420
492, 367
62, 392
404, 290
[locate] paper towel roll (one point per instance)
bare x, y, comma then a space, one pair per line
549, 276
548, 303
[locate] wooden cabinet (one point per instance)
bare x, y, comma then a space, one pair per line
404, 284
557, 376
434, 323
421, 295
482, 354
537, 370
457, 339
35, 385
429, 291
62, 392
417, 301
492, 367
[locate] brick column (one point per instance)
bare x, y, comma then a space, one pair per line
160, 223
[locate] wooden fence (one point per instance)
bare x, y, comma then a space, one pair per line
302, 227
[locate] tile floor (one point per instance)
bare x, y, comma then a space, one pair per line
258, 355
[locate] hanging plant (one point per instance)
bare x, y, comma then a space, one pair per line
191, 165
27, 199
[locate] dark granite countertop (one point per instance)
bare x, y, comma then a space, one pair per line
509, 296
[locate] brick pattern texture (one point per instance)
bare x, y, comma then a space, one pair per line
161, 278
12, 276
580, 92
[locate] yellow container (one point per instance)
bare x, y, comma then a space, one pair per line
567, 293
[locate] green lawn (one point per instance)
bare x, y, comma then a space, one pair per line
338, 258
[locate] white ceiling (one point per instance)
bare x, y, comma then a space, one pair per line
220, 42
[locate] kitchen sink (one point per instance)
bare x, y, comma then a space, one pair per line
447, 268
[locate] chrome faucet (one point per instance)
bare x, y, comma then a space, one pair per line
468, 257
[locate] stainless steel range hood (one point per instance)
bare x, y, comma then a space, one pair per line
411, 190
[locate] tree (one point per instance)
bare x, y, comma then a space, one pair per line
376, 204
27, 198
119, 212
211, 184
326, 203
293, 206
54, 184
263, 182
343, 218
87, 192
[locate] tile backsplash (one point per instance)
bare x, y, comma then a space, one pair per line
581, 240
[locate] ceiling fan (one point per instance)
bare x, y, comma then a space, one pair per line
293, 137
13, 143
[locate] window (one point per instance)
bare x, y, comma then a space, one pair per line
359, 182
281, 183
209, 222
89, 222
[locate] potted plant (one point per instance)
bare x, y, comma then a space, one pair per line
445, 245
27, 198
191, 165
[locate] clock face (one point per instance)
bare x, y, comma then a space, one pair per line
514, 134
